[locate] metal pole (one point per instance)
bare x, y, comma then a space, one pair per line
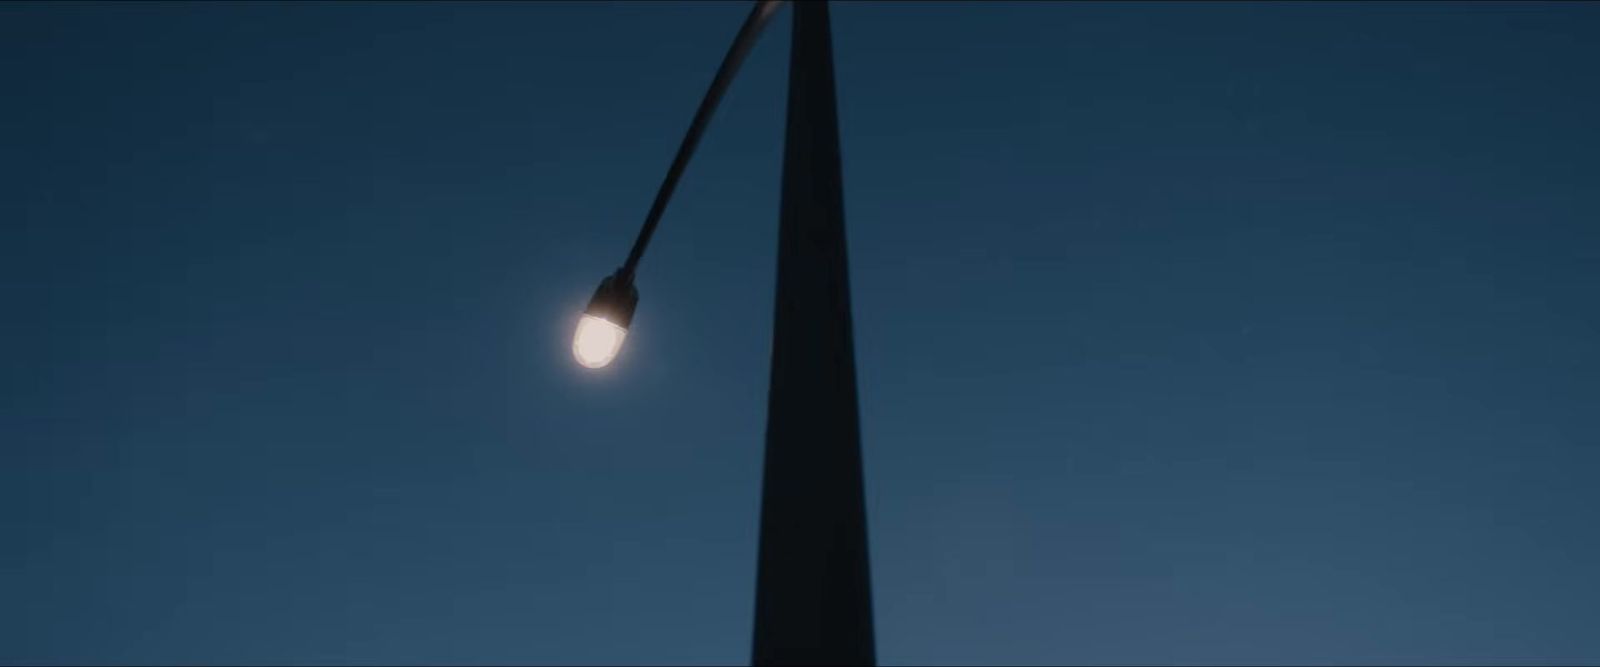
813, 589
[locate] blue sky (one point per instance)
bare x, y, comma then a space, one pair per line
1200, 333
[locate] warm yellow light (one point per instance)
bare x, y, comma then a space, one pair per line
597, 341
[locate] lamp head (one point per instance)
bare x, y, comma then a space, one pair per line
605, 322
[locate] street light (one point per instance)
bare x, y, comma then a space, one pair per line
604, 324
813, 591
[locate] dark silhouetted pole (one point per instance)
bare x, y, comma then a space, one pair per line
813, 589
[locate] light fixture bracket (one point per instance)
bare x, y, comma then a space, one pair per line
614, 300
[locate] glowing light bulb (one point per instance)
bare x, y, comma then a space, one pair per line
597, 341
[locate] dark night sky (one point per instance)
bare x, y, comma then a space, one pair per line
1248, 333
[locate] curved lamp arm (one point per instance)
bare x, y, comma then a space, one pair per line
605, 321
746, 39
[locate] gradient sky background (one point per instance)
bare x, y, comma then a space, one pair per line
1251, 333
